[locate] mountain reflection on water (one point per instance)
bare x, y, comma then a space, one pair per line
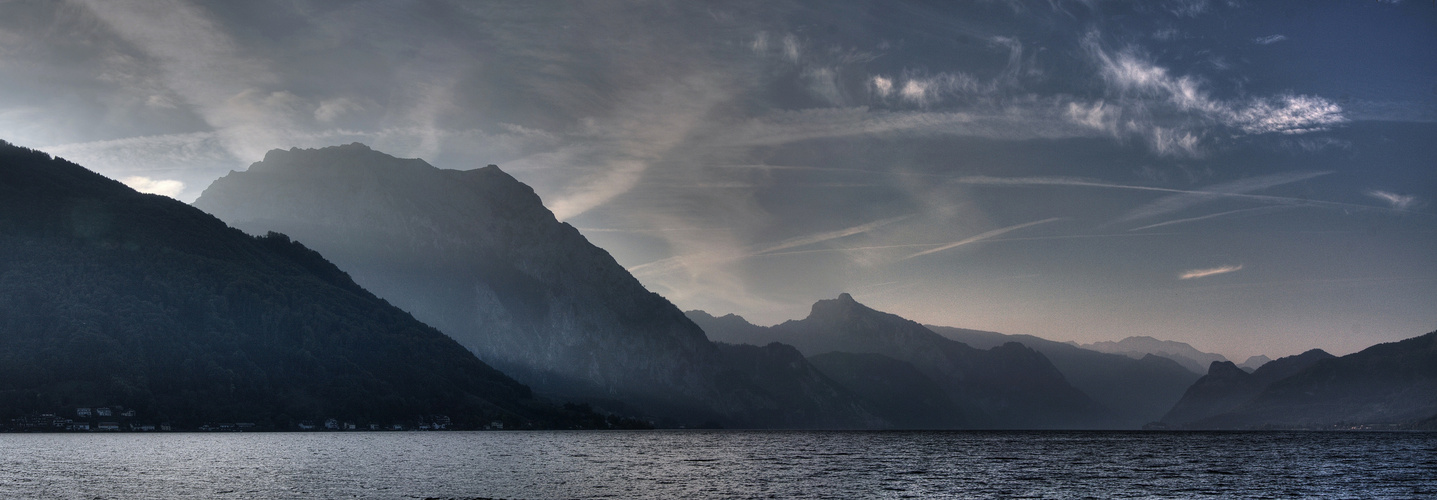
719, 464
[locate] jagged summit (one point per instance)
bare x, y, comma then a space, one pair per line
842, 306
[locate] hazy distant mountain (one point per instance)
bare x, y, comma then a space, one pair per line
731, 328
1254, 362
1009, 386
1137, 347
1393, 383
898, 391
109, 297
476, 254
1137, 391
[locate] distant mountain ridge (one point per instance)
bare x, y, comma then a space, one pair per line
1137, 347
1008, 386
109, 297
1138, 391
477, 254
1385, 385
1226, 387
1254, 362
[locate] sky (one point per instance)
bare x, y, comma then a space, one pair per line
1248, 177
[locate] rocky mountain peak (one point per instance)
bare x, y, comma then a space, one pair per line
1225, 369
843, 307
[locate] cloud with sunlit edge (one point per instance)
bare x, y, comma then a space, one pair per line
1203, 273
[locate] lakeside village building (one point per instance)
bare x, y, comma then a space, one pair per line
114, 419
117, 419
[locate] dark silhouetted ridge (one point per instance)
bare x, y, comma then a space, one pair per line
1008, 386
109, 297
1392, 384
1136, 390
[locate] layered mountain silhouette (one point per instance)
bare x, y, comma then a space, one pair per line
1386, 384
1137, 391
883, 356
476, 254
1138, 347
1226, 386
109, 297
1254, 362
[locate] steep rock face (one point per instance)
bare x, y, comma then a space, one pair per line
1137, 347
112, 297
476, 254
1009, 386
1227, 387
1137, 391
1393, 383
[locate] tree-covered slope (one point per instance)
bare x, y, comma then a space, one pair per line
109, 297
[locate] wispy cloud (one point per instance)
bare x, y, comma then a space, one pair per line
981, 237
1287, 114
1176, 202
1268, 40
1043, 121
710, 257
200, 63
1174, 113
881, 85
1203, 273
830, 235
1397, 201
1206, 217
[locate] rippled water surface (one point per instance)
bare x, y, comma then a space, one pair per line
719, 464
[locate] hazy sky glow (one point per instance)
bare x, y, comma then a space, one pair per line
1248, 177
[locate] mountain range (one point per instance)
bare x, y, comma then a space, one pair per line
116, 298
1391, 384
1226, 386
1009, 385
1135, 390
1139, 347
113, 298
476, 254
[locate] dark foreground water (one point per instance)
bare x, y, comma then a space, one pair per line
720, 464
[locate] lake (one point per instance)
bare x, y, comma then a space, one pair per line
719, 464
